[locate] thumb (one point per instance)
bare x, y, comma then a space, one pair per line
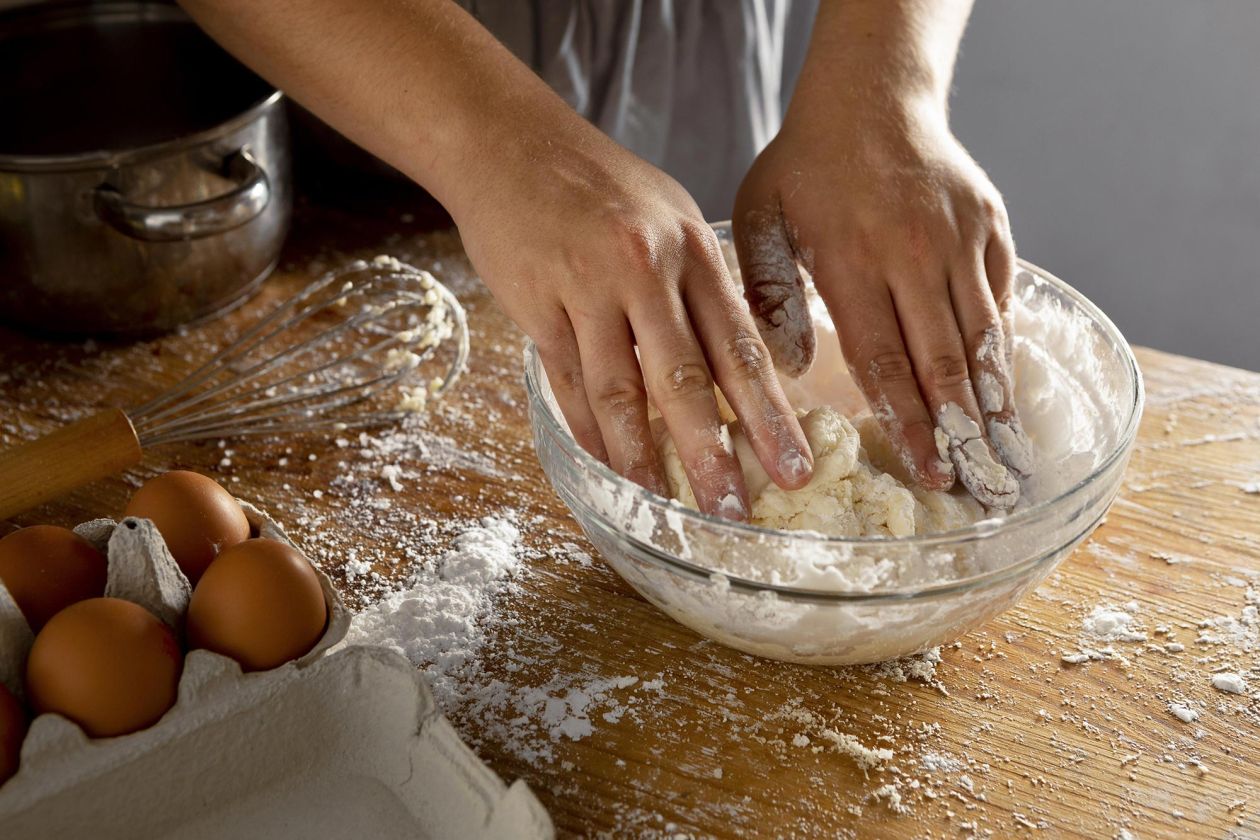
774, 289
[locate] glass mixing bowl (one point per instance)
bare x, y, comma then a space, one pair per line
943, 586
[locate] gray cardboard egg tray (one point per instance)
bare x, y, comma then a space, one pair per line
344, 742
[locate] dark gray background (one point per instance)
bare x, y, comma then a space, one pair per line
1125, 137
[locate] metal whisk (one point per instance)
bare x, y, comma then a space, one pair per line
361, 346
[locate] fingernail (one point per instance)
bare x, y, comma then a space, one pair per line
940, 467
990, 393
941, 472
1012, 445
794, 467
988, 480
732, 507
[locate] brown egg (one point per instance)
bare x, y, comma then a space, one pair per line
260, 603
195, 516
12, 731
109, 665
47, 568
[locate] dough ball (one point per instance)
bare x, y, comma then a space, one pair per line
851, 494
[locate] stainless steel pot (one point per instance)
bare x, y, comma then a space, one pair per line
144, 174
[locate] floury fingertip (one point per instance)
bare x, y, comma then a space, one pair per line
794, 466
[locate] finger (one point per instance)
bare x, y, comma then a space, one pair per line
745, 374
774, 289
1000, 268
558, 350
926, 314
987, 340
681, 387
616, 395
870, 338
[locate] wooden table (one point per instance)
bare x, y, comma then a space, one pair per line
1004, 739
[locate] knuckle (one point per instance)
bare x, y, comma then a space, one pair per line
891, 366
994, 211
562, 372
553, 344
711, 459
1000, 284
748, 355
773, 424
989, 343
576, 263
687, 380
701, 243
920, 429
919, 242
638, 247
621, 395
948, 369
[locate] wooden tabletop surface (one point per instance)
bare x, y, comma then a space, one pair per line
1003, 738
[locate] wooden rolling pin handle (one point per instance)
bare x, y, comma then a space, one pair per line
42, 470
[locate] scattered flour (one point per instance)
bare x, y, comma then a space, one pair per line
1230, 683
441, 621
821, 734
890, 795
435, 622
934, 762
866, 758
1114, 624
1242, 633
1183, 712
391, 473
567, 714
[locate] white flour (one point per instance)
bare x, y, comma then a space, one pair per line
1184, 712
1229, 683
436, 622
1114, 624
1241, 633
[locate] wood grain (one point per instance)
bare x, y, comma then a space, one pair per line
707, 741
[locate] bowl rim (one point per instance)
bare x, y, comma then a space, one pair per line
978, 531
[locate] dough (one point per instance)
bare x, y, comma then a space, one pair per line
858, 489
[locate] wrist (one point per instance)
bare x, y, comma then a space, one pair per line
871, 122
490, 151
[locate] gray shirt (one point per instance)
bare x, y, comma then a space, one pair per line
696, 87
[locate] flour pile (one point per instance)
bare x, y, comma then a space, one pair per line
436, 621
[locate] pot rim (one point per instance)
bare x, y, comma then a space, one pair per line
116, 158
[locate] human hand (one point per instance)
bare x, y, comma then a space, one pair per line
592, 251
909, 246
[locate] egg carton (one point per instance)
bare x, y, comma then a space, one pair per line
340, 742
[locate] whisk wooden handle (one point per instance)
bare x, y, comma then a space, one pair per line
70, 457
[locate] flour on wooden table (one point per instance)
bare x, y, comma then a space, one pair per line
1114, 624
437, 621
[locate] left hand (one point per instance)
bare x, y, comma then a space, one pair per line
909, 245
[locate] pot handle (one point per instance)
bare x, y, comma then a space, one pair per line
190, 221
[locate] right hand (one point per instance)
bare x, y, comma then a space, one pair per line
591, 251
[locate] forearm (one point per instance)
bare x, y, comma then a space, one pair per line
880, 56
419, 83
